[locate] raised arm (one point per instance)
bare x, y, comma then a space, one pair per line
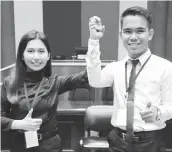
96, 76
67, 83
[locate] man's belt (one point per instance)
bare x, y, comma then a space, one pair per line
138, 136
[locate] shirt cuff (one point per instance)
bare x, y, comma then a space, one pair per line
160, 112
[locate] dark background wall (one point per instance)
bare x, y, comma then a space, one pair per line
66, 24
108, 11
7, 34
62, 24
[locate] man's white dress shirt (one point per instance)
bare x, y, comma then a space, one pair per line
153, 85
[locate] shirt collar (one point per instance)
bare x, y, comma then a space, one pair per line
142, 59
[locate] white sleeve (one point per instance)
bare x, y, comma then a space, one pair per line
166, 95
97, 77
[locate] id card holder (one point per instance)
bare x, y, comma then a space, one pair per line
31, 139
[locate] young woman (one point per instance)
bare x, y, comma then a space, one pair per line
29, 97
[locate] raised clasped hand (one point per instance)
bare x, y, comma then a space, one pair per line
96, 28
30, 124
149, 114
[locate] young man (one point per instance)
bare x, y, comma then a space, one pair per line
142, 84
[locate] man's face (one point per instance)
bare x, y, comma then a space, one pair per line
135, 35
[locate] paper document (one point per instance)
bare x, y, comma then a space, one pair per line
31, 139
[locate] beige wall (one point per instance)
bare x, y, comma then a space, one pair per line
28, 15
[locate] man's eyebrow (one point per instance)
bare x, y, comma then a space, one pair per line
127, 29
139, 28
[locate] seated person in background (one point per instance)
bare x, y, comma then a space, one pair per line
142, 84
29, 97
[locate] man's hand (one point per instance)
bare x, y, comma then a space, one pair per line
149, 114
96, 28
28, 123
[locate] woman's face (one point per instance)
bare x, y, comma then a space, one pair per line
36, 55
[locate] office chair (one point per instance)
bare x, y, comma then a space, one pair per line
79, 50
97, 118
59, 57
83, 92
107, 96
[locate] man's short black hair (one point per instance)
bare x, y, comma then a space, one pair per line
137, 10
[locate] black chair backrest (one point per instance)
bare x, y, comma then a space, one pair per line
59, 57
98, 118
80, 50
83, 92
107, 96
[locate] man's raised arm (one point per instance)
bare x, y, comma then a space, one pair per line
96, 76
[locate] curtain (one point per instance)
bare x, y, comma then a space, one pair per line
161, 43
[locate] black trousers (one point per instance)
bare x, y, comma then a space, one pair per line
147, 142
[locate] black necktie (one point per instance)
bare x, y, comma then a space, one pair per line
130, 103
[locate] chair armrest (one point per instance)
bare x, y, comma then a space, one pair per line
87, 133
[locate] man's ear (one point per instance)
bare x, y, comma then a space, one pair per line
151, 33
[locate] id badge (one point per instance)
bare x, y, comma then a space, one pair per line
31, 139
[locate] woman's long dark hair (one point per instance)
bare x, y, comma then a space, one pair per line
19, 72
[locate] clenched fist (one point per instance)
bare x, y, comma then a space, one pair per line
96, 28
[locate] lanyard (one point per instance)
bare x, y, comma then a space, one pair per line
127, 88
36, 95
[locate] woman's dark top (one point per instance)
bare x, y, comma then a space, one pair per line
47, 100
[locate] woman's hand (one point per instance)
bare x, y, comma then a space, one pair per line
28, 123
